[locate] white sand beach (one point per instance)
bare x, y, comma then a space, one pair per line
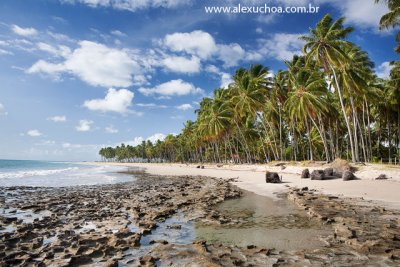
384, 193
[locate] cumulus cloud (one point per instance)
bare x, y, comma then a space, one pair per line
231, 54
58, 118
202, 46
84, 125
34, 133
173, 87
197, 43
184, 107
383, 70
226, 78
183, 64
155, 137
115, 101
281, 46
110, 129
3, 111
23, 31
95, 64
131, 5
362, 13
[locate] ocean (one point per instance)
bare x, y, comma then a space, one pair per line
58, 174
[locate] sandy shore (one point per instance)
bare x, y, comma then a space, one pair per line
252, 178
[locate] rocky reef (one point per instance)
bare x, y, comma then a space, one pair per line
114, 225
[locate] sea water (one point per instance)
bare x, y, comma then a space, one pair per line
57, 174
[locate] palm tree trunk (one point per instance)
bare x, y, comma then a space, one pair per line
344, 113
266, 133
322, 137
245, 147
309, 139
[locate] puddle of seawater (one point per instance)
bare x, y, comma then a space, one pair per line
27, 216
183, 236
264, 222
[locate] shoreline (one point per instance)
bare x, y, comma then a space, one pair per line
252, 178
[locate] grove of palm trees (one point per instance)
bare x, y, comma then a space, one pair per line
328, 103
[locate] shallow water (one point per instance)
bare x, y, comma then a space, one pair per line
259, 221
264, 222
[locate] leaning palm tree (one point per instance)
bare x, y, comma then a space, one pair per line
325, 45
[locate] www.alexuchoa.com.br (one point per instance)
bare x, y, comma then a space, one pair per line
262, 9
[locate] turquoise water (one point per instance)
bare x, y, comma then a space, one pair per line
55, 174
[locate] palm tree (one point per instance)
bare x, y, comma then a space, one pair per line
391, 19
325, 45
307, 101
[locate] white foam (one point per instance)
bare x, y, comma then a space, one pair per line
29, 173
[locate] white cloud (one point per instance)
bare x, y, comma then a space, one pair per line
231, 54
150, 105
34, 133
84, 126
182, 64
118, 33
184, 107
5, 52
23, 31
111, 129
259, 30
362, 13
3, 111
155, 137
115, 101
281, 46
95, 64
58, 118
383, 70
226, 80
131, 5
61, 51
173, 87
197, 43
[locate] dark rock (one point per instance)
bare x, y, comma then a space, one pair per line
305, 174
174, 226
381, 177
328, 172
348, 176
318, 175
202, 167
111, 263
272, 177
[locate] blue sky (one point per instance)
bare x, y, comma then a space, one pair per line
76, 75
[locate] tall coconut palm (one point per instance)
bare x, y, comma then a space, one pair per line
307, 101
325, 45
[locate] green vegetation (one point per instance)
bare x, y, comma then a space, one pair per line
327, 104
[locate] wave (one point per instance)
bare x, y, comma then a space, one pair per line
28, 173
